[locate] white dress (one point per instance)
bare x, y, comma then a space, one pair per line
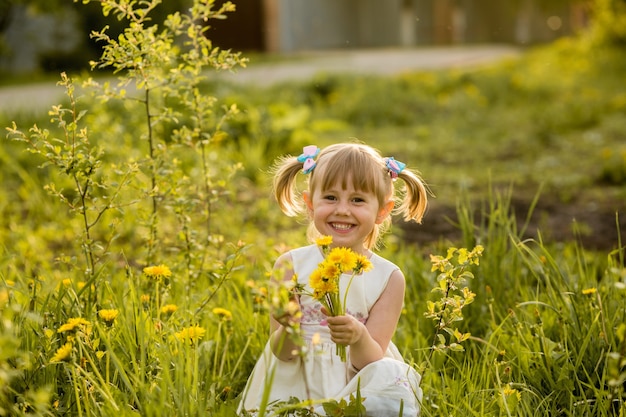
386, 385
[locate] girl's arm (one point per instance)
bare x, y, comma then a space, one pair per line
282, 345
369, 342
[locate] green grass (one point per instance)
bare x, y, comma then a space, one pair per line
547, 324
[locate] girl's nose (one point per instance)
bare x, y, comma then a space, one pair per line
343, 208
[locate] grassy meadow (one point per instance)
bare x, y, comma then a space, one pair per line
137, 229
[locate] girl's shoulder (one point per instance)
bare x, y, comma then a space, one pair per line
382, 264
308, 250
304, 259
302, 253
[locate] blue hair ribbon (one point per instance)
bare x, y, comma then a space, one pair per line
394, 167
307, 158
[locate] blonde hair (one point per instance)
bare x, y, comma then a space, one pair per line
367, 171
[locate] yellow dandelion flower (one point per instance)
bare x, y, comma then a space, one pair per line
190, 334
74, 324
63, 354
4, 298
324, 241
363, 264
315, 278
145, 298
325, 286
507, 391
67, 282
108, 316
343, 257
157, 272
222, 313
590, 291
169, 309
330, 270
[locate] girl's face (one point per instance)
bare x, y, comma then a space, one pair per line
348, 215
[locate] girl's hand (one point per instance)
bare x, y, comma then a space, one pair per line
344, 330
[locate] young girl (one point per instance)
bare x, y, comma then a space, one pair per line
350, 197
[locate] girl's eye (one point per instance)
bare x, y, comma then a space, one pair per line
358, 200
330, 197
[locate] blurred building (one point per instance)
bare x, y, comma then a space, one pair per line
295, 25
59, 39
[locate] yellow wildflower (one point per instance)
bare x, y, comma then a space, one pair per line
321, 284
363, 264
222, 313
330, 270
108, 316
169, 309
190, 334
344, 258
590, 291
63, 354
157, 272
74, 324
324, 241
4, 298
511, 391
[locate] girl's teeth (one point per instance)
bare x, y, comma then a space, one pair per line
341, 226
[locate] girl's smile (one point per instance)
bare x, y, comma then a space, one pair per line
341, 226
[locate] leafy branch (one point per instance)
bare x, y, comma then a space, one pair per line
454, 273
74, 156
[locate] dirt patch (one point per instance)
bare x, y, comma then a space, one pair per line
596, 222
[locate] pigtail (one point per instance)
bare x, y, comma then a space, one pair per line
414, 199
285, 173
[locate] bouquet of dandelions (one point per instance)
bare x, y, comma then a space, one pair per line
325, 279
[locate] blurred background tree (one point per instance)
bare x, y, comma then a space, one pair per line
609, 22
54, 35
